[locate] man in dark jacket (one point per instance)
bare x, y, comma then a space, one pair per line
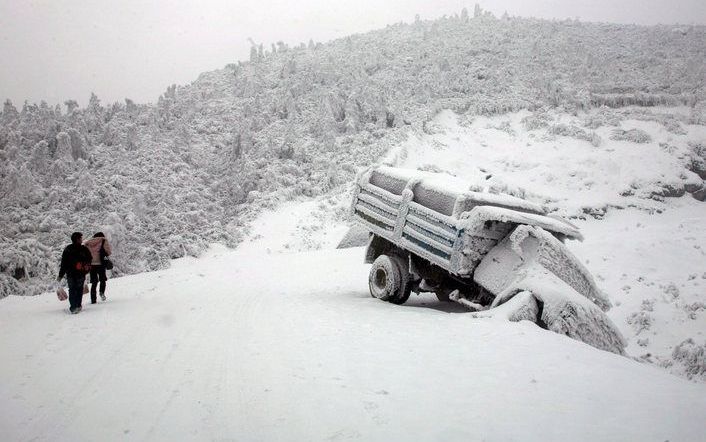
75, 263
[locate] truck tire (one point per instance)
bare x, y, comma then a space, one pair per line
405, 282
386, 280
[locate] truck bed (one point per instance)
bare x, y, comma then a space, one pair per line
440, 219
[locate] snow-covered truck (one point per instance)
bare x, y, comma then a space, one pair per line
491, 252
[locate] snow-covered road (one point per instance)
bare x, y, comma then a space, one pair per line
290, 346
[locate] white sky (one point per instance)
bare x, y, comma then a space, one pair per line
58, 49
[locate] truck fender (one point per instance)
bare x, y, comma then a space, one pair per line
529, 247
532, 263
378, 246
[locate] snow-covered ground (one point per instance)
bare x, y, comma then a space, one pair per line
280, 339
652, 265
263, 343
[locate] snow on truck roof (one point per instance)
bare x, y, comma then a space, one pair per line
452, 196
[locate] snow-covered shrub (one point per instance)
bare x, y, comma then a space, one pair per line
10, 286
507, 189
674, 127
27, 258
671, 290
617, 100
648, 305
433, 168
698, 158
26, 261
603, 117
536, 120
671, 122
632, 135
659, 191
694, 309
572, 131
640, 321
698, 113
506, 127
692, 357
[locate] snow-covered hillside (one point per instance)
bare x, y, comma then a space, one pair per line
263, 343
163, 180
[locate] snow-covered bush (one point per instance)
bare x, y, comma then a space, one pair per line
698, 158
672, 291
674, 127
11, 286
694, 309
632, 135
640, 321
572, 131
671, 122
692, 357
537, 120
698, 113
505, 126
603, 117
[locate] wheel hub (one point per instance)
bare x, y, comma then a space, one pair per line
380, 278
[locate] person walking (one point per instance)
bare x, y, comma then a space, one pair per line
99, 248
75, 263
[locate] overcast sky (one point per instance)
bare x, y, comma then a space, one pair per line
58, 49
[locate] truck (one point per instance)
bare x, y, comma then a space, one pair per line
487, 250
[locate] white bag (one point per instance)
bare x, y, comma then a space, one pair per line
61, 294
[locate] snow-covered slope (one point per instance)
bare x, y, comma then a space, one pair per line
653, 268
168, 178
263, 343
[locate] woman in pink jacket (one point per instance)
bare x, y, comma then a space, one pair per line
95, 244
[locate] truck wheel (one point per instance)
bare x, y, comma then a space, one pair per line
405, 282
385, 280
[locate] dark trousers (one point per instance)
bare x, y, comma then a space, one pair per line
97, 274
75, 283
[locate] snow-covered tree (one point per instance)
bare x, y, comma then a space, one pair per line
77, 149
9, 112
71, 105
64, 150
